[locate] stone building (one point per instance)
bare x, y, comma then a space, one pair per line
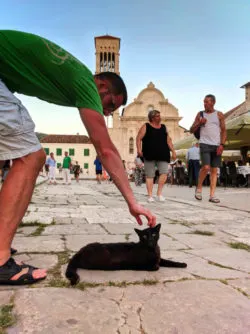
242, 107
79, 148
126, 126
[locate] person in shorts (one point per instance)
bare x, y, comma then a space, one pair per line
34, 66
98, 170
212, 140
76, 170
51, 162
154, 145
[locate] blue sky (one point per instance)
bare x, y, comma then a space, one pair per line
186, 48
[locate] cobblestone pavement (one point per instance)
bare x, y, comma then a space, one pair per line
211, 295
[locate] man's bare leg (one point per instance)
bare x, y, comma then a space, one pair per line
202, 175
213, 180
150, 184
161, 182
15, 196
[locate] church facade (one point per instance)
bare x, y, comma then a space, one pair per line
126, 126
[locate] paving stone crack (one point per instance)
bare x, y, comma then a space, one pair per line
138, 311
124, 316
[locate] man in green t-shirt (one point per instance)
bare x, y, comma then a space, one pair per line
34, 66
66, 168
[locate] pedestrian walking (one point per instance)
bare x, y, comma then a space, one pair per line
76, 170
66, 168
98, 170
212, 140
193, 164
51, 162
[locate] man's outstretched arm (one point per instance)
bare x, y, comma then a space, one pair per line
111, 160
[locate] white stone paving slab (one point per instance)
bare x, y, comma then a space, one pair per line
235, 258
76, 242
37, 217
26, 230
74, 229
131, 276
5, 297
46, 261
196, 241
241, 283
99, 220
41, 244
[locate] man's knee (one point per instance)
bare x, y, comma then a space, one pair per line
213, 170
205, 168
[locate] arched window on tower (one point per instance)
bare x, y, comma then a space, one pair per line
113, 62
109, 61
101, 62
105, 62
131, 145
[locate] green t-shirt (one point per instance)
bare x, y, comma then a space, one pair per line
32, 65
66, 162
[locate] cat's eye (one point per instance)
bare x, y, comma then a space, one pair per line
153, 235
145, 237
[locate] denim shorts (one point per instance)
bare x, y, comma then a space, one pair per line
17, 136
209, 155
149, 167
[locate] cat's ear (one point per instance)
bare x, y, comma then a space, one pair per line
137, 231
158, 227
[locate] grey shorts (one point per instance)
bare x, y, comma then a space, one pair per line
209, 156
17, 137
13, 147
149, 167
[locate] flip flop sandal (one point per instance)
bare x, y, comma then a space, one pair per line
214, 200
198, 195
13, 251
11, 268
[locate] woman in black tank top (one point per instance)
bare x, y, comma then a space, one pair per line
154, 144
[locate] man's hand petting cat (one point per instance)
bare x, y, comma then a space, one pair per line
137, 210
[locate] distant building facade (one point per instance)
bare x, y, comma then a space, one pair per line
126, 126
79, 148
241, 108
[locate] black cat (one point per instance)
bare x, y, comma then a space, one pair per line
144, 255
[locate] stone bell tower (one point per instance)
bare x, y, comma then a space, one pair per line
107, 54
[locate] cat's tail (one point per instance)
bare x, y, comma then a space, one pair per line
169, 263
71, 273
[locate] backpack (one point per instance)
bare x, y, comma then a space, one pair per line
197, 132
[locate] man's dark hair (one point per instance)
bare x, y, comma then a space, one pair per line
211, 96
118, 86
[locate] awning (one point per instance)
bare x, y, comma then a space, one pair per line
238, 131
238, 134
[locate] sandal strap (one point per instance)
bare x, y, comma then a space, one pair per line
214, 199
9, 269
27, 276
